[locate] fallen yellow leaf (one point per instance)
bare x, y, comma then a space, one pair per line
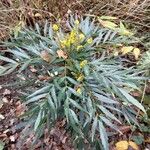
136, 53
126, 49
122, 145
62, 54
133, 145
108, 18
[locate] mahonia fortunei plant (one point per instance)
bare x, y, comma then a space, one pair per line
75, 79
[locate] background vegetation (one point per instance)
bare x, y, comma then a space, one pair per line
15, 14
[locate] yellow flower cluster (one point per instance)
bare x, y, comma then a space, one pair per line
71, 39
75, 38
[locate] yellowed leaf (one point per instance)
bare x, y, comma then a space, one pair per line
38, 15
126, 49
133, 145
108, 18
6, 92
147, 140
108, 24
136, 53
122, 145
45, 56
42, 77
18, 28
125, 32
62, 54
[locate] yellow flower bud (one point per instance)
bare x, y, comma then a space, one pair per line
79, 47
80, 78
89, 41
76, 22
63, 43
55, 27
79, 90
83, 63
81, 36
116, 53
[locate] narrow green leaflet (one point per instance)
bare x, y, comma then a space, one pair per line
72, 81
38, 120
40, 91
131, 99
53, 94
21, 54
75, 104
73, 114
2, 145
103, 135
36, 98
25, 65
52, 106
74, 92
108, 113
7, 59
108, 122
8, 69
104, 98
94, 127
107, 36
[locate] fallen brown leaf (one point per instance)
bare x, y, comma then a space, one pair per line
125, 129
6, 92
12, 138
41, 77
6, 131
3, 135
1, 117
62, 54
20, 109
147, 140
5, 99
32, 69
45, 56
